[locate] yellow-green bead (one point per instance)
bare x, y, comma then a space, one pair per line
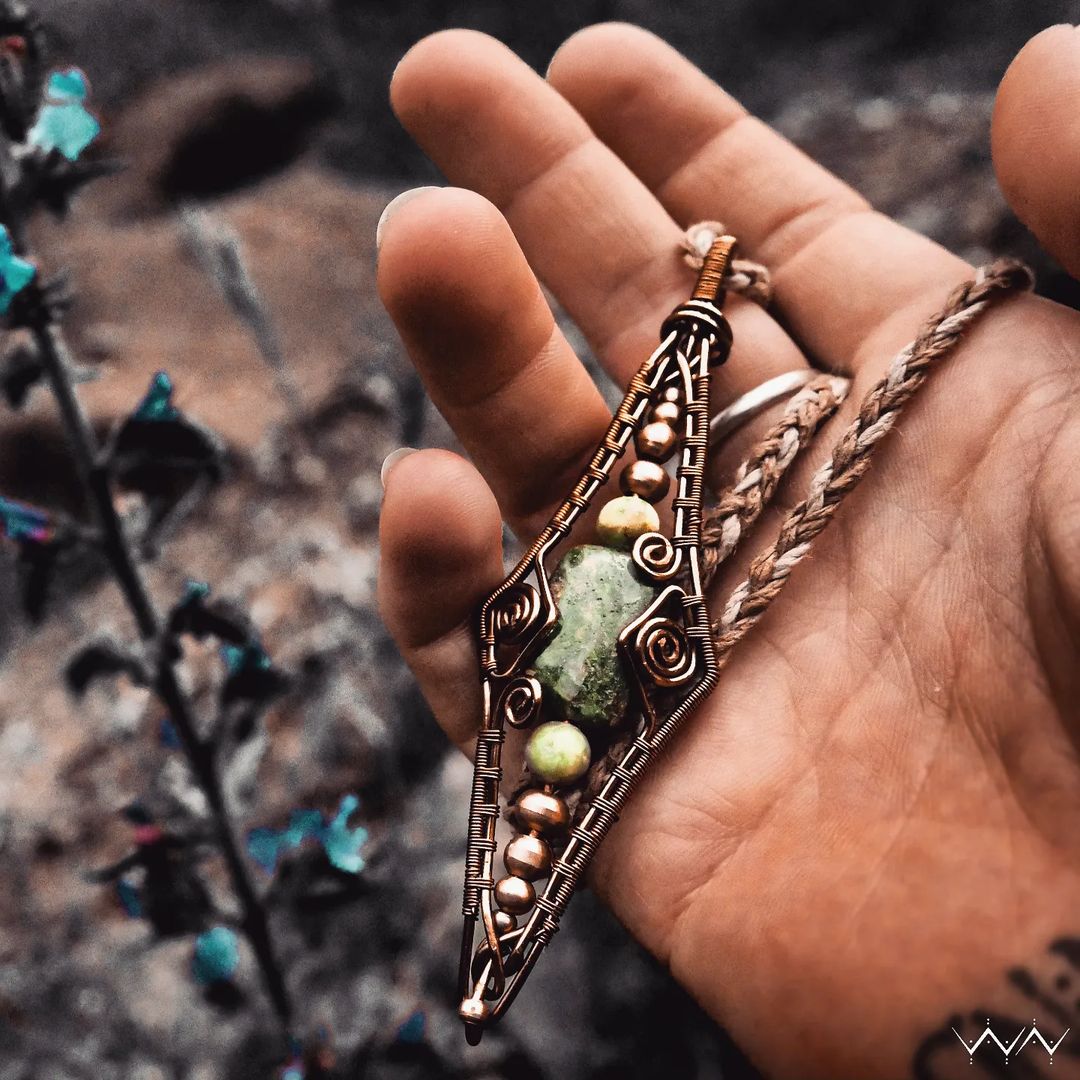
558, 753
622, 520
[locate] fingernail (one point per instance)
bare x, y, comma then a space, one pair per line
394, 205
391, 460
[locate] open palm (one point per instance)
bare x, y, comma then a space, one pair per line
873, 818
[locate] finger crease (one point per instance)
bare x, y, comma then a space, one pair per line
716, 137
555, 165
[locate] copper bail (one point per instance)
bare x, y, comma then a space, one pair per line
710, 281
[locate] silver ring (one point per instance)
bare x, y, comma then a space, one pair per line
756, 401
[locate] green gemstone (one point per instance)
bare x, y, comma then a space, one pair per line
557, 753
598, 593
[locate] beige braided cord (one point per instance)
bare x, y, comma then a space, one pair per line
851, 457
744, 277
758, 476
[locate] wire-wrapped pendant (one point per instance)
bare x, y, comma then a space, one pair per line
569, 668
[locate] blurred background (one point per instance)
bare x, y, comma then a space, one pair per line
266, 122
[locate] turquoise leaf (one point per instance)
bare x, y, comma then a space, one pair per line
264, 846
15, 273
194, 591
128, 895
303, 825
245, 657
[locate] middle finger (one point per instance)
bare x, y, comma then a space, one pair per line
593, 232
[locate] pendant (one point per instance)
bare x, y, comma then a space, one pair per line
596, 651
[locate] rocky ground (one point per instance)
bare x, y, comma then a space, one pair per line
294, 151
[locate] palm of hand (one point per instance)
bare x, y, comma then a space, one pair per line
870, 819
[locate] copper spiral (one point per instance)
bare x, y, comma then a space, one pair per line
514, 612
520, 701
657, 556
665, 652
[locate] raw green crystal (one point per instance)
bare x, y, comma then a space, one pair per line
598, 594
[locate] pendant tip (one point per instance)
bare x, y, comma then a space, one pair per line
475, 1013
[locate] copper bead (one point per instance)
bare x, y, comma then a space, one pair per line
646, 479
504, 922
667, 412
671, 393
528, 857
656, 441
514, 895
542, 812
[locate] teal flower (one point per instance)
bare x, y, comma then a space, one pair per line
24, 523
67, 86
64, 122
266, 846
15, 273
411, 1032
157, 404
340, 841
343, 843
249, 657
217, 954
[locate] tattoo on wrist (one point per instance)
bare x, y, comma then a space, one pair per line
1038, 1033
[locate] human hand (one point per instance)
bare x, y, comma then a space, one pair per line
871, 821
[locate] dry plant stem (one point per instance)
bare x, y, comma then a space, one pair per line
118, 549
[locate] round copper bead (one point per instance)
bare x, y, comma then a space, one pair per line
514, 895
504, 922
646, 479
671, 393
667, 412
656, 441
542, 812
528, 857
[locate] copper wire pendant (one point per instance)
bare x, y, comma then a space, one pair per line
664, 654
